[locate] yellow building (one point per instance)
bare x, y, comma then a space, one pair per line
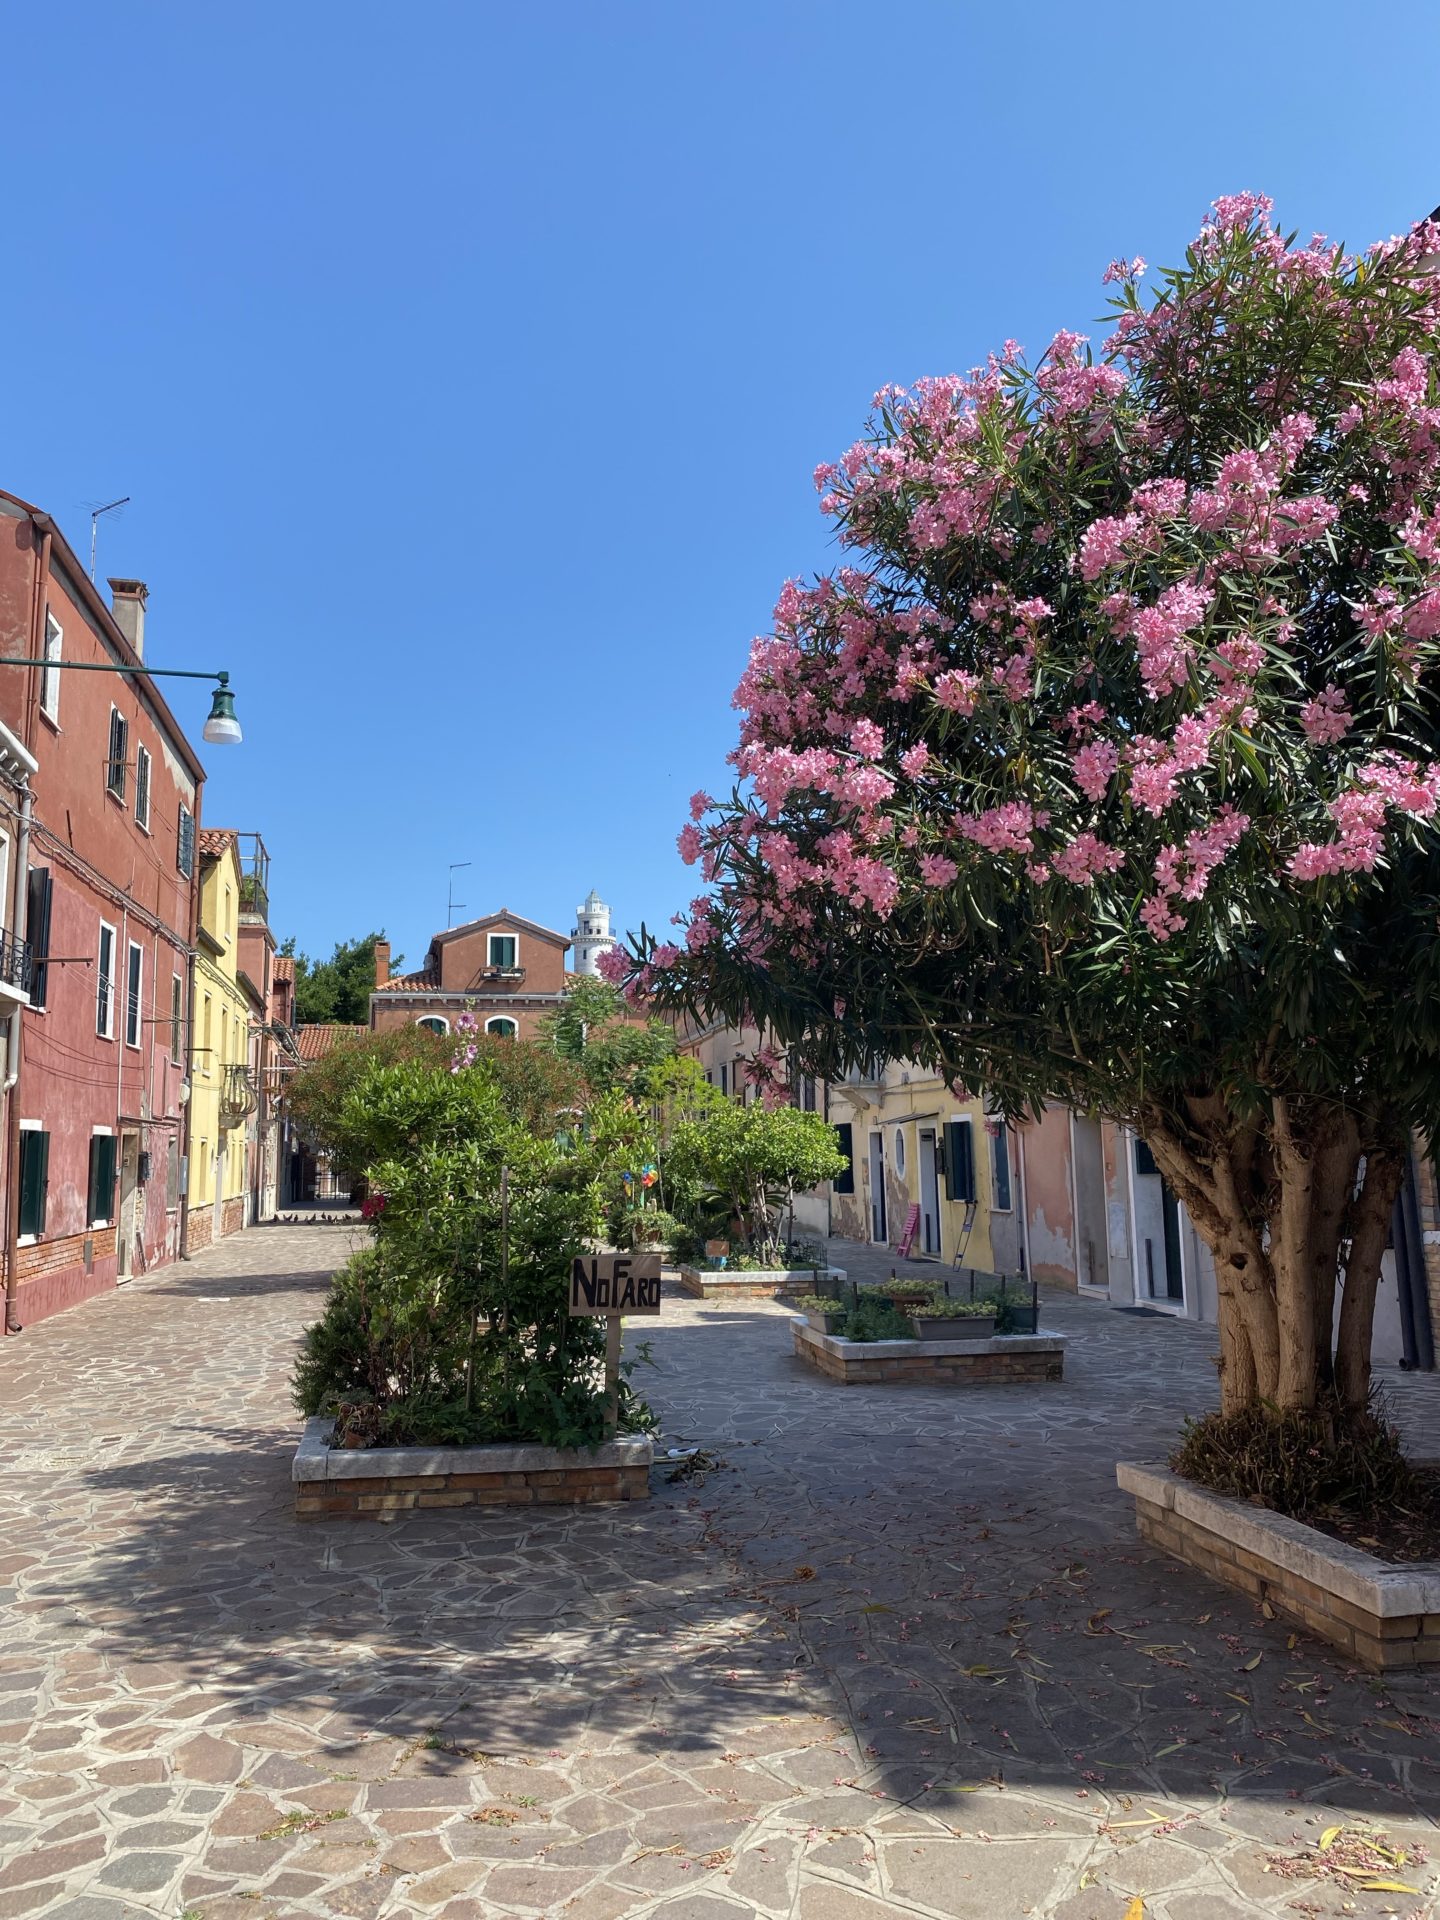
925, 1160
221, 1097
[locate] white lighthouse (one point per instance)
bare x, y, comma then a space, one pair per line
591, 935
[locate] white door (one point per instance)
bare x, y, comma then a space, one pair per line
878, 1231
929, 1195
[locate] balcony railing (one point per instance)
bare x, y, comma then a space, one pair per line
15, 967
237, 1095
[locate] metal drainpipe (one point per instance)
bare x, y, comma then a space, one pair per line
12, 1071
189, 1107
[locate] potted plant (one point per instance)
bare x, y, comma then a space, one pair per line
823, 1313
953, 1320
1016, 1313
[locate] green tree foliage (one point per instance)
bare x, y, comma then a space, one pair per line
590, 1028
757, 1159
338, 989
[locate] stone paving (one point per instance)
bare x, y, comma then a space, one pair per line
900, 1655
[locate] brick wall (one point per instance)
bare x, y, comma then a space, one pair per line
377, 1499
919, 1368
1378, 1641
201, 1229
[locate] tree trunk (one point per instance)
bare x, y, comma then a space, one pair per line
1369, 1227
1273, 1205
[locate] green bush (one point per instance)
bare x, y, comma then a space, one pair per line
455, 1327
872, 1318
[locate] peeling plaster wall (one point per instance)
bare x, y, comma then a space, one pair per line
1049, 1197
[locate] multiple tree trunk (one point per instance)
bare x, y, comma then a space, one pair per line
1292, 1205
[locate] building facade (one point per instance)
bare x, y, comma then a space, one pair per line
507, 970
222, 1098
99, 851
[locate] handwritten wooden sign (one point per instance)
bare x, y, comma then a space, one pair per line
615, 1283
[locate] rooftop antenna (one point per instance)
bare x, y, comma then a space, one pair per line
451, 903
95, 513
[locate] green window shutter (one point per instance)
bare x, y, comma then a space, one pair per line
845, 1182
1144, 1160
959, 1161
34, 1179
101, 1201
1000, 1165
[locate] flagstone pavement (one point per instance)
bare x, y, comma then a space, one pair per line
899, 1654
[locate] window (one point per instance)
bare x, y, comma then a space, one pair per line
502, 1029
50, 675
1000, 1167
206, 1170
724, 1078
900, 1151
229, 914
115, 764
100, 1203
205, 1037
185, 843
806, 1097
134, 978
502, 949
37, 932
34, 1179
172, 1175
845, 1139
4, 872
105, 984
142, 787
434, 1023
960, 1161
177, 1001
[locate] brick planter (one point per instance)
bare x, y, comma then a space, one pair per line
707, 1283
1001, 1360
375, 1483
1385, 1616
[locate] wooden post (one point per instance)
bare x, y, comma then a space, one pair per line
612, 1374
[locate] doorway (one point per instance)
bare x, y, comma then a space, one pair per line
127, 1220
878, 1229
929, 1194
1159, 1267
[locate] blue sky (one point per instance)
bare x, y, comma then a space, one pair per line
467, 364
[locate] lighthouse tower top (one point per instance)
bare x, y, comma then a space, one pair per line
591, 934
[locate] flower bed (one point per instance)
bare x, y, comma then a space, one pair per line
1385, 1615
376, 1483
758, 1283
1002, 1359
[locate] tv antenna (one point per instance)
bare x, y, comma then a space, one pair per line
451, 903
95, 513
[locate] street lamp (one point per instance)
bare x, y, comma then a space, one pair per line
221, 727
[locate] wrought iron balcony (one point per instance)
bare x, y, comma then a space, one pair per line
237, 1095
15, 966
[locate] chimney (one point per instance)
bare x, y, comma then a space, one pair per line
127, 603
382, 962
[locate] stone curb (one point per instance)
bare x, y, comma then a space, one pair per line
315, 1459
1387, 1591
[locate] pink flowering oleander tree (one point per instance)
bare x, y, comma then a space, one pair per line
1105, 771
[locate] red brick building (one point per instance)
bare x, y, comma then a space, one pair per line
509, 971
98, 877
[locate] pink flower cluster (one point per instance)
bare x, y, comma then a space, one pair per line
1326, 718
1182, 872
1085, 859
1003, 829
1359, 815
